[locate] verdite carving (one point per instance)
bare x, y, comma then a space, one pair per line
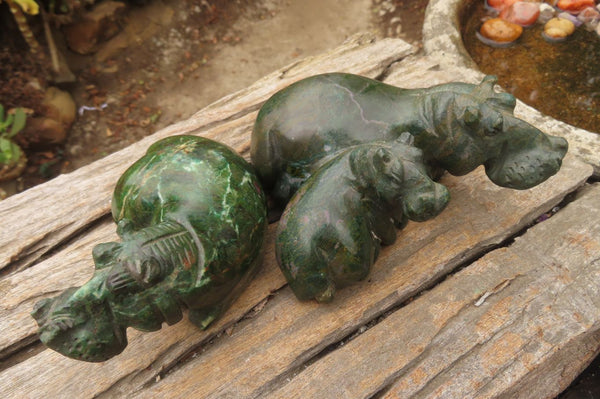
458, 126
331, 231
352, 158
356, 158
191, 215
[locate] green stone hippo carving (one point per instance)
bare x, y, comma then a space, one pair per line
191, 215
330, 233
458, 127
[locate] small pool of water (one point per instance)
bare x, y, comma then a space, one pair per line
559, 79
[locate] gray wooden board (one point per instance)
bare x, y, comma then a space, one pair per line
516, 323
262, 350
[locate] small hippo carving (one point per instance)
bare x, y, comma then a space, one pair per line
192, 216
458, 126
331, 230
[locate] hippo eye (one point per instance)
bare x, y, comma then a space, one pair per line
495, 126
471, 115
383, 156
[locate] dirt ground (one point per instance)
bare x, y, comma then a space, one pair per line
173, 57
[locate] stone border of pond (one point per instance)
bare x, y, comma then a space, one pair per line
442, 43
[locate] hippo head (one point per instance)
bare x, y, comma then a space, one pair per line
476, 126
79, 330
398, 174
527, 156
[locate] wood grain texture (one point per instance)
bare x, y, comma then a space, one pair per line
260, 355
519, 322
42, 224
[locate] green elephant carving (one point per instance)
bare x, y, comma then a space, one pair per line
192, 216
331, 231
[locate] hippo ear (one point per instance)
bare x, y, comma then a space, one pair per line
486, 88
406, 138
124, 228
505, 101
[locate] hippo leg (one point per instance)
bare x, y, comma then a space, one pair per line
353, 250
381, 224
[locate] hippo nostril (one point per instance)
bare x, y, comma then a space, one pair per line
559, 144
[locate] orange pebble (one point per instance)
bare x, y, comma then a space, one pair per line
500, 4
500, 31
575, 5
521, 13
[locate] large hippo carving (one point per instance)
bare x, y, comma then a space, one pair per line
191, 215
332, 228
458, 127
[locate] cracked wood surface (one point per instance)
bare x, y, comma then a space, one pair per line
285, 334
492, 330
268, 343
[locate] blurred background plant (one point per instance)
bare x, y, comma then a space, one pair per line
12, 157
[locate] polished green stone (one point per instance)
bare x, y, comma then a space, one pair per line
331, 231
458, 126
323, 138
192, 216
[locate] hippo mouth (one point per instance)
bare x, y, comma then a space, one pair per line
422, 205
528, 166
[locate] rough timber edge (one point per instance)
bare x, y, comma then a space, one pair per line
443, 44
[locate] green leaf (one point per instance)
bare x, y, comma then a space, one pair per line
18, 123
6, 151
1, 113
4, 125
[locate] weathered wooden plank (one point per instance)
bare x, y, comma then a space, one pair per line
49, 214
288, 332
521, 322
263, 352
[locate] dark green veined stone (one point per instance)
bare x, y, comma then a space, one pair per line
192, 217
332, 228
458, 127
